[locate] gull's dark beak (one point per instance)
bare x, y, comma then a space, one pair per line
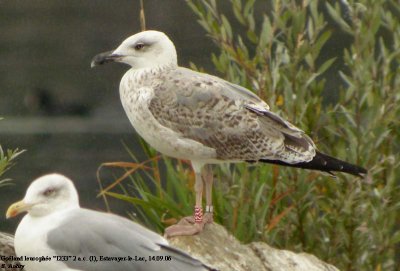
104, 58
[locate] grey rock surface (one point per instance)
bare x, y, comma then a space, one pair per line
6, 250
219, 249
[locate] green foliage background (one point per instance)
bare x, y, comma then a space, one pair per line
349, 222
6, 161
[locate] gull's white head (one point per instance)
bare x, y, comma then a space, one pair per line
45, 195
143, 50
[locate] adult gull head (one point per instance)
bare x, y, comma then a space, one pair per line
57, 234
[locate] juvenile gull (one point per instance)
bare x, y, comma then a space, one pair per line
202, 118
56, 226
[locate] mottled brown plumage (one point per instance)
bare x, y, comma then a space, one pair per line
202, 118
238, 125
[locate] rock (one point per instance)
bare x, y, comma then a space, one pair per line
7, 250
220, 250
277, 259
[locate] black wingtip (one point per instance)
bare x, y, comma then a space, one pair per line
325, 163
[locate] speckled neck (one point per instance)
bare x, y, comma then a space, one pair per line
143, 73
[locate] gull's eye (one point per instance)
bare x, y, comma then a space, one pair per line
139, 46
49, 192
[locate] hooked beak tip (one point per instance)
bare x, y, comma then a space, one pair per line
104, 58
17, 208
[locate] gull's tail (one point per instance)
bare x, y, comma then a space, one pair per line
326, 163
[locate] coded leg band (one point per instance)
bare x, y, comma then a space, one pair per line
198, 214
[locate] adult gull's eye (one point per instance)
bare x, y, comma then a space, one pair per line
49, 192
139, 46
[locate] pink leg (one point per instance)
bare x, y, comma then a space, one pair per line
208, 179
195, 224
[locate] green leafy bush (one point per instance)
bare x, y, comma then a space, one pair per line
349, 222
6, 161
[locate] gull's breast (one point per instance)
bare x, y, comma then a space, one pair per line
136, 97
